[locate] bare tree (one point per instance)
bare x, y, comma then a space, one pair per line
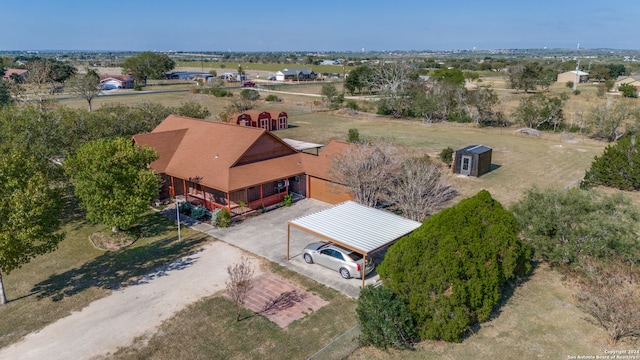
368, 171
607, 122
610, 293
85, 86
376, 174
239, 282
420, 189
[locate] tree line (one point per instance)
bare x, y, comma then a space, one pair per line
442, 96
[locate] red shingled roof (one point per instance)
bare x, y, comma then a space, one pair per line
223, 156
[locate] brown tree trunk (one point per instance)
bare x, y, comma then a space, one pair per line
3, 298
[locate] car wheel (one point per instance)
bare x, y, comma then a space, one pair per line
345, 273
308, 258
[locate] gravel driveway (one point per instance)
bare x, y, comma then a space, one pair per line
116, 320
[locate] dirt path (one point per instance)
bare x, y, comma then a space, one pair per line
116, 320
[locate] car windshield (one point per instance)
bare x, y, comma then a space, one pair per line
355, 256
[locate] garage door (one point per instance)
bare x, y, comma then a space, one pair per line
328, 192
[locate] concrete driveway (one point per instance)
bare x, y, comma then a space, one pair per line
266, 235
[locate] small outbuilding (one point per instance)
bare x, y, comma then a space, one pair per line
473, 160
573, 76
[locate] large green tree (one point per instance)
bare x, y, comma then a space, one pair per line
30, 209
562, 226
452, 76
86, 86
451, 271
359, 80
524, 76
147, 65
113, 181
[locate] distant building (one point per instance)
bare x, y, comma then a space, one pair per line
581, 76
110, 82
631, 80
301, 74
330, 62
263, 119
20, 73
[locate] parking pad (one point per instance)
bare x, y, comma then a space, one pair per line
279, 301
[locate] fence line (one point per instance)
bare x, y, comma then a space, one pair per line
333, 341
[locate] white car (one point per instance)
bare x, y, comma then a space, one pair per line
348, 263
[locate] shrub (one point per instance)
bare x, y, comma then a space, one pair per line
451, 270
214, 216
385, 321
287, 200
446, 155
272, 97
192, 109
617, 167
137, 87
217, 92
351, 104
628, 90
185, 207
459, 116
223, 218
353, 136
609, 292
576, 92
569, 84
563, 226
249, 94
198, 212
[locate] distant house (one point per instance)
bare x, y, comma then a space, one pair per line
20, 73
330, 62
632, 80
473, 160
110, 82
572, 75
270, 120
295, 74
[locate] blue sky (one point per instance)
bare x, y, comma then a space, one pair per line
328, 25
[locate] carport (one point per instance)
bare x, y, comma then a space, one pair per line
359, 228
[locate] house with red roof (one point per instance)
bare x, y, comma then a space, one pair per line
238, 168
21, 74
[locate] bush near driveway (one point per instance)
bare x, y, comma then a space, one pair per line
452, 270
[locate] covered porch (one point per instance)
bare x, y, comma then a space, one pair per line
237, 202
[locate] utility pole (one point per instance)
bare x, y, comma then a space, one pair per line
575, 83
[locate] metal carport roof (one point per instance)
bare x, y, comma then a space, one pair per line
356, 227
